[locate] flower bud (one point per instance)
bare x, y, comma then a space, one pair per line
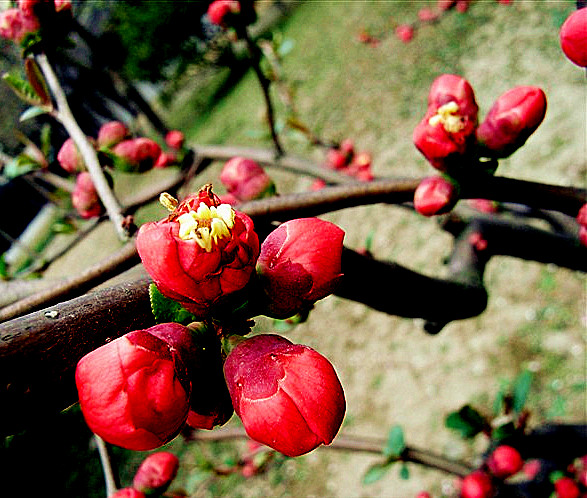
220, 11
336, 159
300, 263
85, 197
404, 32
70, 158
128, 493
175, 139
582, 216
511, 120
201, 252
287, 395
448, 88
573, 37
136, 154
156, 473
16, 24
565, 487
426, 14
112, 133
476, 485
134, 391
246, 180
435, 195
504, 461
360, 167
165, 159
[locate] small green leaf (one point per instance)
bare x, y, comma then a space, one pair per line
395, 443
37, 80
22, 89
168, 310
375, 472
521, 389
404, 472
503, 431
33, 112
467, 421
3, 268
20, 165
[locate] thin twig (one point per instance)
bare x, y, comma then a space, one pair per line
109, 477
64, 115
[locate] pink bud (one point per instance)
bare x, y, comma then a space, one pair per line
504, 461
137, 154
405, 32
582, 216
448, 88
426, 14
128, 493
15, 24
476, 485
134, 391
156, 473
201, 252
423, 494
462, 6
70, 158
531, 468
85, 198
336, 159
511, 120
565, 487
220, 10
300, 263
288, 396
317, 184
165, 159
484, 205
246, 180
435, 195
573, 37
360, 167
445, 4
347, 147
112, 133
175, 139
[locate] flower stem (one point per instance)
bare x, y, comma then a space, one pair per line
64, 115
109, 477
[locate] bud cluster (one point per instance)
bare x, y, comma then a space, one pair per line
451, 139
345, 159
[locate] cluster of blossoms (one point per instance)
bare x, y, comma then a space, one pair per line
451, 139
346, 160
24, 20
116, 148
153, 477
206, 256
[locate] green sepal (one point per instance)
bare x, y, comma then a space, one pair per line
167, 310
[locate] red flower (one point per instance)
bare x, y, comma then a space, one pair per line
504, 461
15, 24
69, 157
220, 10
112, 133
299, 264
201, 252
336, 158
405, 32
288, 396
449, 88
85, 198
128, 493
435, 195
573, 37
134, 391
511, 120
246, 180
175, 139
156, 473
565, 487
476, 485
136, 154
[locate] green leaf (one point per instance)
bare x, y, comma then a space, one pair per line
168, 310
521, 389
22, 89
404, 472
467, 421
375, 472
395, 443
503, 431
37, 81
33, 112
20, 165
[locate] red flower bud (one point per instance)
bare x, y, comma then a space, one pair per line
85, 198
175, 139
445, 4
347, 147
220, 10
449, 88
156, 473
287, 395
462, 6
360, 167
336, 159
565, 487
426, 14
246, 180
15, 24
165, 159
134, 391
405, 32
300, 264
476, 485
511, 120
128, 493
504, 461
435, 195
573, 37
70, 158
136, 154
112, 133
582, 216
201, 252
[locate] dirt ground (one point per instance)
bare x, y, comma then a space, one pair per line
391, 370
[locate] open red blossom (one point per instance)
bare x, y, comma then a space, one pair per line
573, 37
134, 391
202, 251
300, 263
15, 24
435, 195
156, 472
511, 120
85, 197
246, 180
287, 395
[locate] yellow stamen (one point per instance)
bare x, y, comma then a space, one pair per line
168, 201
447, 116
207, 224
